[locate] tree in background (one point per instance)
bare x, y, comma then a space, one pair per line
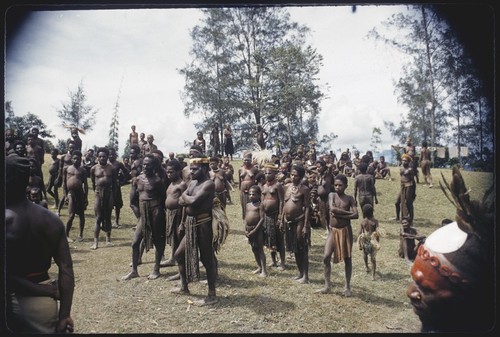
77, 113
249, 66
22, 125
439, 86
376, 141
113, 127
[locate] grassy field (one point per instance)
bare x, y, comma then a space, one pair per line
249, 303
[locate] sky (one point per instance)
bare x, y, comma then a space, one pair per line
132, 56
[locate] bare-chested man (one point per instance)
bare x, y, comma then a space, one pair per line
425, 163
200, 141
254, 228
364, 187
123, 176
261, 136
246, 175
197, 200
151, 225
408, 187
325, 186
64, 162
273, 195
339, 242
296, 222
35, 242
76, 188
133, 136
104, 182
52, 188
174, 212
135, 170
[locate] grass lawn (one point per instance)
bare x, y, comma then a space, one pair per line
249, 303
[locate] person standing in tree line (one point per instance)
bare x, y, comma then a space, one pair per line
228, 141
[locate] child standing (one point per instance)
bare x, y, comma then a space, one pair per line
369, 237
254, 230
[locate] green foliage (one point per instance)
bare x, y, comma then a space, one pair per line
250, 66
77, 112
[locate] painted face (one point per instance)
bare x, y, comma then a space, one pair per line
430, 293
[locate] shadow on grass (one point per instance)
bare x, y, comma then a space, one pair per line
260, 304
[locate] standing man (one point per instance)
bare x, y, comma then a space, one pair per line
64, 162
123, 177
34, 237
247, 174
133, 137
151, 225
174, 212
273, 200
75, 186
364, 187
135, 170
52, 188
228, 141
215, 140
198, 202
200, 141
408, 188
104, 183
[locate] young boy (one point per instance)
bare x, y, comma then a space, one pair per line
338, 244
35, 196
254, 228
76, 189
368, 238
407, 236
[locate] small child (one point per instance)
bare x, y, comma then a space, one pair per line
369, 237
407, 236
35, 196
254, 230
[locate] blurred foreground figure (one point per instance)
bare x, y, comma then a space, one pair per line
34, 237
454, 271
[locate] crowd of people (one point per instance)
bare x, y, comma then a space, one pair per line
175, 202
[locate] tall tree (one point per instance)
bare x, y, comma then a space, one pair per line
77, 113
229, 77
376, 140
113, 127
438, 83
22, 124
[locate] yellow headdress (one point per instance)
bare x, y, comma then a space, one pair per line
203, 160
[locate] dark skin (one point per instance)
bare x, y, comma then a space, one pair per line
254, 222
296, 204
343, 208
150, 188
65, 161
52, 189
34, 237
75, 181
104, 175
246, 174
174, 191
198, 199
368, 226
121, 170
273, 199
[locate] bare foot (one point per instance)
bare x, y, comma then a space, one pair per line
168, 263
180, 291
206, 301
281, 268
115, 225
263, 274
131, 275
154, 275
323, 291
79, 239
347, 292
94, 246
298, 277
256, 271
109, 244
174, 277
303, 280
272, 264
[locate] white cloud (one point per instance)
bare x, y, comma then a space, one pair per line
139, 51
